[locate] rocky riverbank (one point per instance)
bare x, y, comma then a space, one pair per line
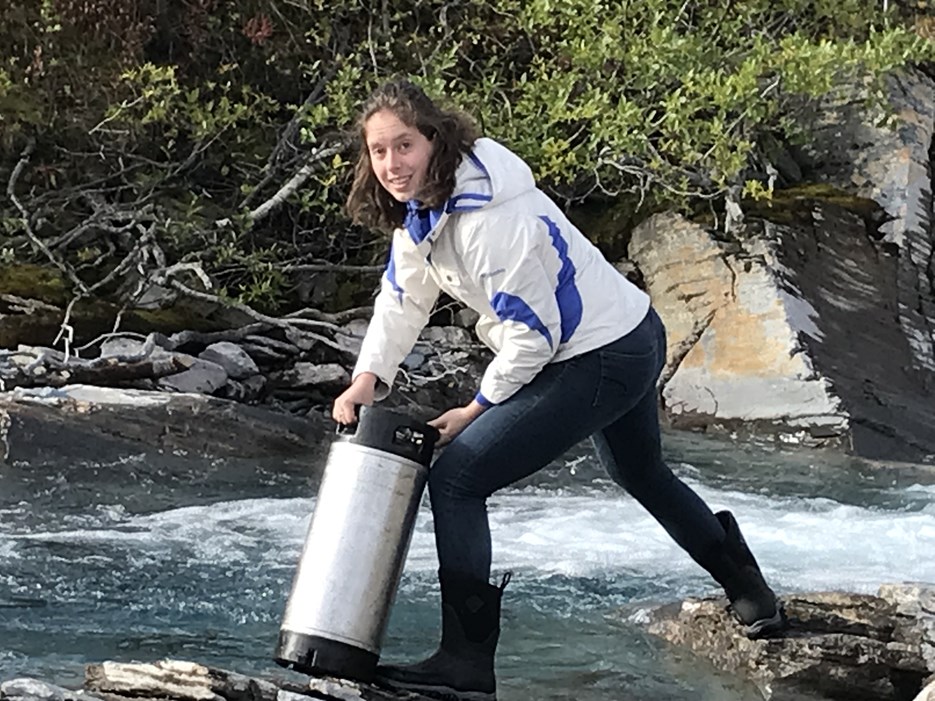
841, 647
252, 394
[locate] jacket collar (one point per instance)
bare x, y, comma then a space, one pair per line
472, 191
421, 221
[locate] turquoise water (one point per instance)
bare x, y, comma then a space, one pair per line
159, 557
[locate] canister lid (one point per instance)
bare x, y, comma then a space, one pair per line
393, 432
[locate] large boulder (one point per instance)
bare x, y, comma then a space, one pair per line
791, 330
815, 320
734, 330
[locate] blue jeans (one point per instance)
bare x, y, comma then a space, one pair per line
608, 394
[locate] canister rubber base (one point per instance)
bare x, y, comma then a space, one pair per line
315, 655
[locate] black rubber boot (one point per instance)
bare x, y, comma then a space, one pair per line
733, 566
462, 669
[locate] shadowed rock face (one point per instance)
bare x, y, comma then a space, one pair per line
862, 347
847, 647
100, 424
893, 167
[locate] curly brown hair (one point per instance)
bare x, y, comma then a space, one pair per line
451, 132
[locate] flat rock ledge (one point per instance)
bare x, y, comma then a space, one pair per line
840, 646
179, 680
85, 422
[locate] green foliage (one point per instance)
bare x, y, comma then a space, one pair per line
202, 109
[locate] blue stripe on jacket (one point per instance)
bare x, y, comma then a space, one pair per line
391, 276
513, 308
567, 296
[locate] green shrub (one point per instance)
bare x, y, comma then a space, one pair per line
184, 108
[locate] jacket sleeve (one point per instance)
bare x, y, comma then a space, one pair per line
400, 311
511, 257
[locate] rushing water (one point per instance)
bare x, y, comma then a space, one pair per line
162, 557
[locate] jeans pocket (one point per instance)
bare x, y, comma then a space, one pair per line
625, 377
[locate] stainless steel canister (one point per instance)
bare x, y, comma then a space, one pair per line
356, 546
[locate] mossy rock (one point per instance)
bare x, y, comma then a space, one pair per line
34, 282
794, 205
90, 317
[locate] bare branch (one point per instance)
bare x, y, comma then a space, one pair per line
208, 337
294, 183
294, 324
35, 240
335, 318
122, 106
289, 133
325, 267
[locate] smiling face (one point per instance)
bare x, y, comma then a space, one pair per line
399, 154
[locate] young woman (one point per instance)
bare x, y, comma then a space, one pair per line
578, 350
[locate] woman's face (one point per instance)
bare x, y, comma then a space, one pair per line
399, 154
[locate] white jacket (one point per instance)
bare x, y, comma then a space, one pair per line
502, 247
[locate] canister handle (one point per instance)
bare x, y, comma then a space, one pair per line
349, 429
393, 432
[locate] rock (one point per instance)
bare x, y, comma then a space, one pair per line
314, 375
121, 346
734, 349
917, 601
452, 337
282, 347
300, 339
155, 297
234, 359
790, 330
189, 681
177, 679
840, 646
253, 387
203, 377
466, 318
233, 390
80, 422
351, 336
413, 361
25, 689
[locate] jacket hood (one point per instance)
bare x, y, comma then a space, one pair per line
486, 177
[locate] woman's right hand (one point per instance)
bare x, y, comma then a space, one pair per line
360, 392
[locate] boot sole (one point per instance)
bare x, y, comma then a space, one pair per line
765, 627
443, 693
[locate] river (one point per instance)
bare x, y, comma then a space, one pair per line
164, 556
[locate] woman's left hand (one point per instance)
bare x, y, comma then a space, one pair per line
453, 421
